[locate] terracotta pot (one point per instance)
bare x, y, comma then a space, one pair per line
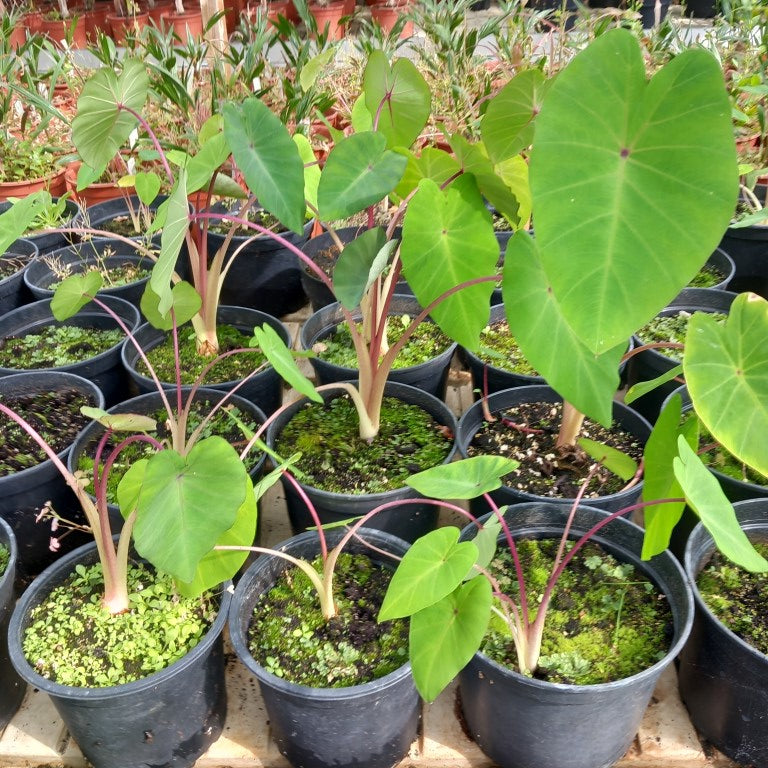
56, 184
387, 16
99, 192
124, 25
330, 14
96, 21
160, 8
185, 26
57, 30
18, 36
31, 21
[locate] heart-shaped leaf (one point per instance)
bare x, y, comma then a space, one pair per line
432, 163
400, 97
726, 370
431, 569
465, 479
268, 158
147, 186
102, 123
174, 526
445, 636
74, 293
209, 158
586, 380
618, 169
185, 303
359, 172
448, 239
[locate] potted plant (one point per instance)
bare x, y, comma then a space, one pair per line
12, 686
177, 694
13, 292
184, 24
60, 26
27, 167
127, 20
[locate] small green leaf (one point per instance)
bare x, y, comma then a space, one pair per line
707, 499
612, 459
465, 479
485, 541
644, 387
185, 303
311, 170
445, 636
16, 220
312, 68
147, 186
74, 293
282, 360
432, 568
120, 422
359, 264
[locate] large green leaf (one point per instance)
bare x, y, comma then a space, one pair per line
706, 497
186, 503
103, 123
465, 479
726, 370
586, 380
633, 183
221, 565
359, 172
359, 264
448, 239
174, 232
270, 161
399, 95
432, 568
508, 123
445, 636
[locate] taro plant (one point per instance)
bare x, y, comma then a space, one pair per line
446, 588
167, 499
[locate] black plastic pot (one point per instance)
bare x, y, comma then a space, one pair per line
118, 207
648, 12
722, 262
521, 722
13, 291
265, 275
12, 687
748, 247
721, 677
487, 378
362, 726
79, 258
430, 376
52, 240
265, 389
472, 420
701, 9
22, 494
649, 364
166, 719
407, 522
104, 370
147, 403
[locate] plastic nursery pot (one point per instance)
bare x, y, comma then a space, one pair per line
362, 726
521, 722
264, 275
651, 363
75, 259
147, 403
22, 494
12, 687
408, 522
723, 263
186, 26
13, 291
431, 376
49, 241
265, 389
104, 369
472, 420
748, 247
103, 213
168, 718
722, 677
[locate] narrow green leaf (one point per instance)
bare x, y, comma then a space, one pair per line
433, 567
202, 166
74, 293
644, 387
705, 496
359, 172
281, 359
486, 541
120, 422
465, 479
359, 264
270, 161
311, 170
445, 636
616, 461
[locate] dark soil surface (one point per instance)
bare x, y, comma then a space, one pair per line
528, 433
11, 263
